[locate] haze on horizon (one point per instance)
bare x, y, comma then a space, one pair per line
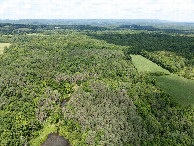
172, 10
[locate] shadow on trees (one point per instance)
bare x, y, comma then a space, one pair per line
181, 45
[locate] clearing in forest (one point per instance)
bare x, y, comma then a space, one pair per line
180, 88
2, 45
143, 64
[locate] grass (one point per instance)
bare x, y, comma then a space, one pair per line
180, 88
143, 64
43, 133
2, 45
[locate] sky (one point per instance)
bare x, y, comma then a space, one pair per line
173, 10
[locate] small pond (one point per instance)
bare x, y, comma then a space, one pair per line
54, 139
64, 101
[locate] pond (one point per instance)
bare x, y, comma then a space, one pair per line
64, 101
54, 139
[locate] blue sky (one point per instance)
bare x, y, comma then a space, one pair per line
174, 10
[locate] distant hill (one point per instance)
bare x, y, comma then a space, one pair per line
107, 22
83, 21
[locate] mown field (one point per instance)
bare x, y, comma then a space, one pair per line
2, 45
143, 64
180, 88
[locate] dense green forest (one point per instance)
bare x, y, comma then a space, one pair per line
173, 52
107, 100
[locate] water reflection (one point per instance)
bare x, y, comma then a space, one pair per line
54, 139
64, 101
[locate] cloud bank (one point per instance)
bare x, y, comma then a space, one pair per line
174, 10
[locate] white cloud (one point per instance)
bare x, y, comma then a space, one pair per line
177, 10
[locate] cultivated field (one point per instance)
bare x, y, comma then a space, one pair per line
182, 89
143, 64
2, 45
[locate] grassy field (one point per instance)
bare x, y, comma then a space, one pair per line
143, 64
2, 45
180, 88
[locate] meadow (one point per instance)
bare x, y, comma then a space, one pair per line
143, 64
177, 86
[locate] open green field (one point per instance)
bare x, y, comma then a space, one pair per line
2, 45
180, 88
143, 64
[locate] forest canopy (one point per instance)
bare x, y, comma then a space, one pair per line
82, 84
